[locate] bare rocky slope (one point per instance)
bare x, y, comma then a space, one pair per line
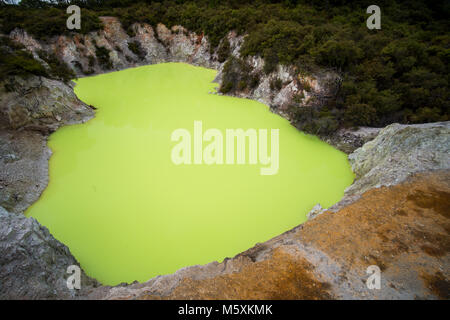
395, 215
36, 107
33, 263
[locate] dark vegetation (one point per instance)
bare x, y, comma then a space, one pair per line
237, 76
58, 69
136, 48
223, 52
103, 57
397, 74
15, 60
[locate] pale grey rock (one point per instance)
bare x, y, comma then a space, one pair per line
155, 52
315, 211
263, 93
395, 154
26, 40
40, 104
284, 97
24, 159
33, 264
399, 151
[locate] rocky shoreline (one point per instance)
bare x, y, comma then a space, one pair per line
395, 214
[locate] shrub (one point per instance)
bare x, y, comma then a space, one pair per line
103, 57
427, 114
226, 87
91, 61
270, 61
19, 63
15, 60
276, 84
242, 85
136, 48
254, 81
58, 69
224, 50
236, 75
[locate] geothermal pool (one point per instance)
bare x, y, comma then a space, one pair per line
128, 212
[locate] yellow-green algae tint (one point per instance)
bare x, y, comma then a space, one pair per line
128, 213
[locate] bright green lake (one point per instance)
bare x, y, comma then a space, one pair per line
127, 212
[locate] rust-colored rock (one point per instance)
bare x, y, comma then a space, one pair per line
284, 276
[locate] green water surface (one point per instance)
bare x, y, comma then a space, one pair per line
127, 212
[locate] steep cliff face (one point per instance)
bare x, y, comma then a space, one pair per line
306, 90
148, 45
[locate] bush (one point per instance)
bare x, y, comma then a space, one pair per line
226, 87
224, 50
236, 75
270, 61
91, 61
19, 63
136, 48
242, 85
103, 57
254, 81
276, 84
45, 21
15, 60
58, 69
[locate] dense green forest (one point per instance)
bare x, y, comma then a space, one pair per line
397, 74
